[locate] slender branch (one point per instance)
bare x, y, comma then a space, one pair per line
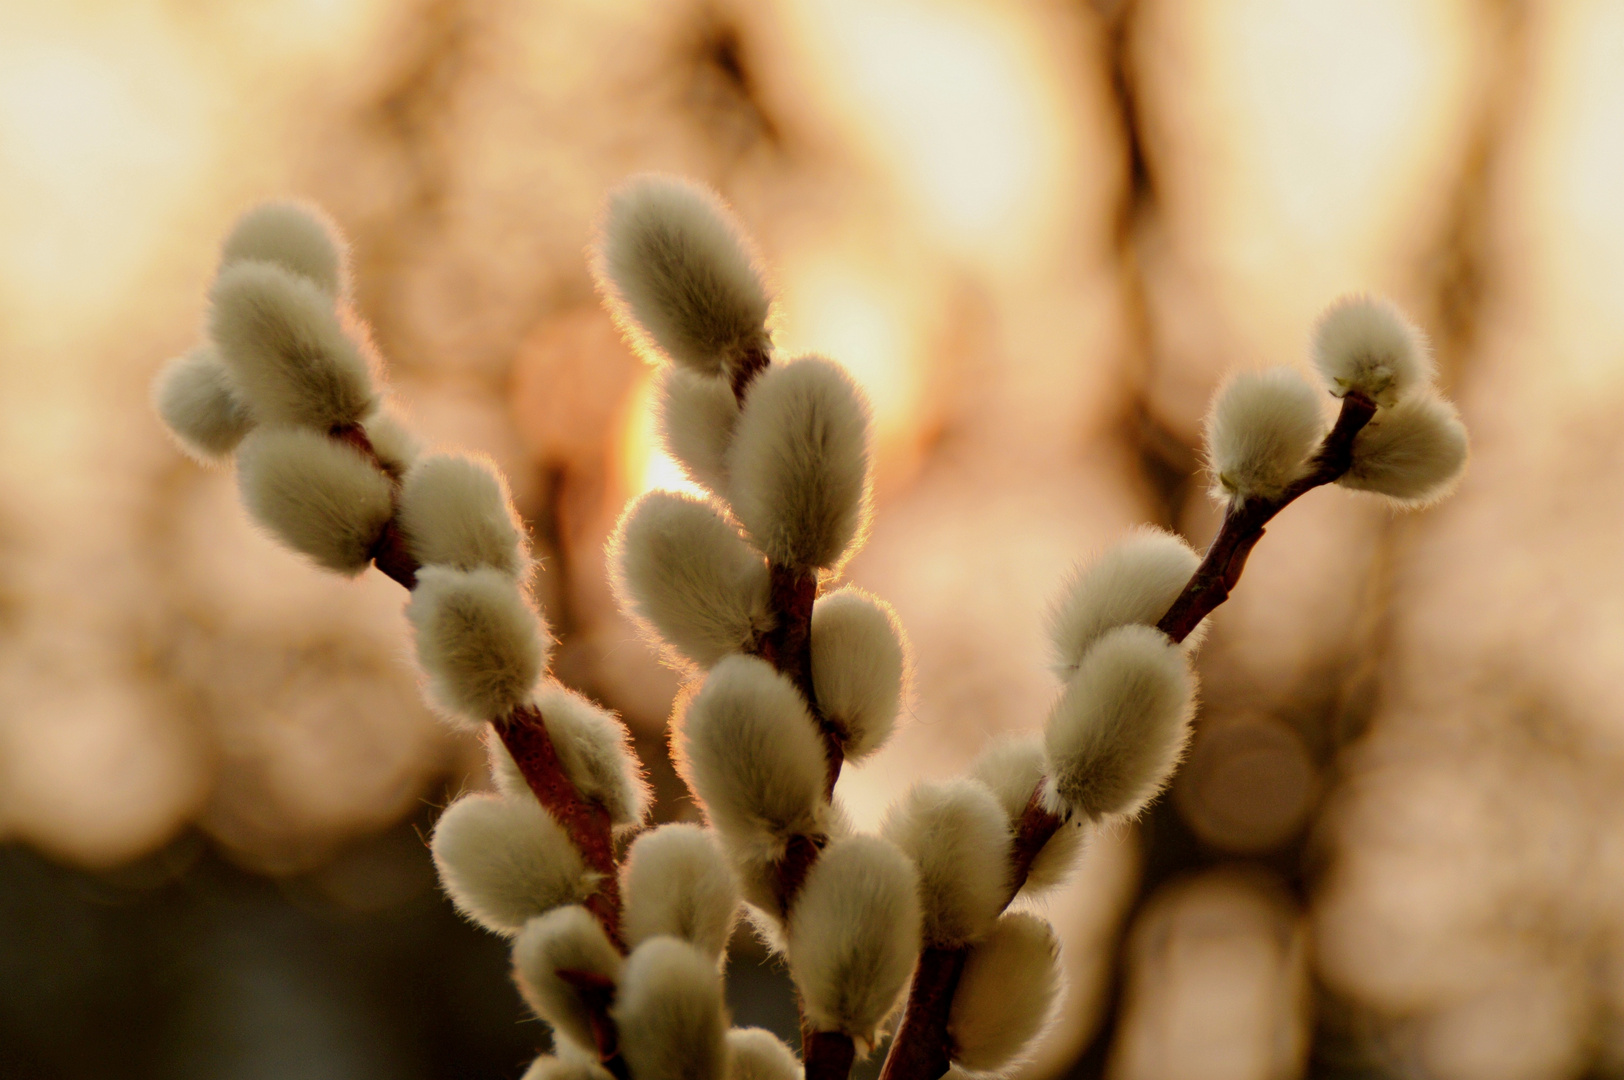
828, 1055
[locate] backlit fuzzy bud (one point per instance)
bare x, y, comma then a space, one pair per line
679, 274
854, 935
859, 668
204, 410
758, 1054
1365, 344
504, 861
1013, 769
282, 341
1134, 582
297, 237
397, 448
1117, 732
752, 754
478, 640
677, 881
670, 1014
958, 837
572, 1067
1412, 453
455, 511
595, 749
696, 415
684, 573
320, 497
1007, 994
565, 939
1262, 427
798, 463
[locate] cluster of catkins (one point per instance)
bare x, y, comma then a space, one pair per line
619, 931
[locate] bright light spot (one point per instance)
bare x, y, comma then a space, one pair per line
644, 464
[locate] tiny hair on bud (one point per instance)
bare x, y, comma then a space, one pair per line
595, 749
394, 443
860, 668
565, 939
677, 881
958, 837
569, 1067
202, 408
504, 861
1008, 993
670, 1013
694, 586
696, 414
455, 511
1134, 582
798, 464
320, 497
479, 641
1413, 453
1118, 731
757, 1054
1260, 431
1014, 770
295, 236
679, 275
1364, 344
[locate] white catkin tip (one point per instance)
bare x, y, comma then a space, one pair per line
574, 1067
1365, 344
854, 934
455, 511
692, 583
295, 236
1134, 582
595, 749
564, 939
752, 754
279, 336
758, 1054
1413, 453
478, 640
679, 274
1013, 769
201, 406
1007, 994
696, 414
394, 443
860, 668
320, 497
678, 882
504, 861
670, 1013
1118, 731
958, 837
798, 463
1260, 431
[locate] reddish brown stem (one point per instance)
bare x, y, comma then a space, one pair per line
827, 1055
597, 993
922, 1046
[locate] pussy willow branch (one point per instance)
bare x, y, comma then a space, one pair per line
922, 1048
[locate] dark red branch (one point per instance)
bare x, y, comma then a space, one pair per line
828, 1055
922, 1046
597, 993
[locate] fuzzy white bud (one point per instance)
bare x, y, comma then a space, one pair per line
565, 939
455, 511
295, 236
758, 1054
696, 414
1260, 431
859, 668
677, 881
958, 837
1134, 582
798, 463
478, 640
504, 861
1364, 344
1412, 453
571, 1067
394, 443
595, 750
670, 1013
854, 935
1007, 994
1013, 770
1118, 731
321, 497
694, 585
195, 397
679, 274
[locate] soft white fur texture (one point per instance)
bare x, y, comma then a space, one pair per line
455, 511
570, 1067
692, 583
504, 860
200, 404
753, 756
1012, 769
295, 236
1413, 453
1134, 582
670, 1013
286, 349
1118, 731
798, 463
320, 497
479, 641
677, 881
679, 274
696, 414
1365, 343
958, 837
758, 1054
860, 667
1260, 431
394, 443
564, 939
1008, 993
595, 749
854, 935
